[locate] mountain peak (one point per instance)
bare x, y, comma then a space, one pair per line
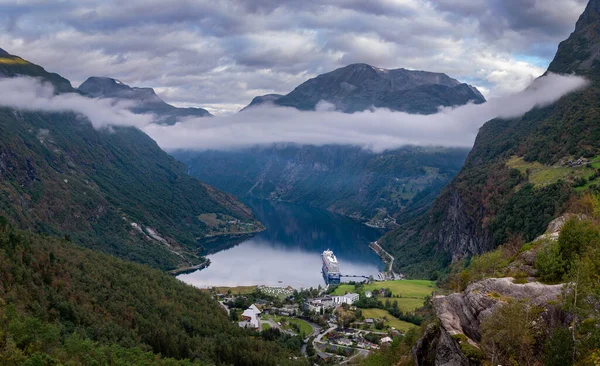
590, 16
580, 53
145, 98
106, 87
15, 66
358, 87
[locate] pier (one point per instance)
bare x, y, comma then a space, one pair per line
361, 276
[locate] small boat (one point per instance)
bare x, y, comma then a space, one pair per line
280, 281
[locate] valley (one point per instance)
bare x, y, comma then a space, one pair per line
341, 217
288, 252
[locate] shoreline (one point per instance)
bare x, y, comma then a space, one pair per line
387, 259
189, 269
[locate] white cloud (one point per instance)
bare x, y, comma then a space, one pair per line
31, 94
378, 130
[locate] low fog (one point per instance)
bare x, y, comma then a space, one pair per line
378, 130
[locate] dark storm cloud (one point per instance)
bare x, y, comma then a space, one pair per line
545, 18
220, 54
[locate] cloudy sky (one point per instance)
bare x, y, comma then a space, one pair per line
220, 54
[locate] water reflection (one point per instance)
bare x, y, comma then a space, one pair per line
289, 251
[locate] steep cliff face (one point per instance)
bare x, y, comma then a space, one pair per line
461, 315
518, 177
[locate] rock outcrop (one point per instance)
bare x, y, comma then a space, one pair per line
461, 314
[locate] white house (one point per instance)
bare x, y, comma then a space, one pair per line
385, 340
253, 307
346, 299
368, 294
250, 318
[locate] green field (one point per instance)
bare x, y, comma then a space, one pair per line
541, 175
240, 290
305, 328
406, 288
391, 320
265, 326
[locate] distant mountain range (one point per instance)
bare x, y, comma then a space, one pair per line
359, 87
146, 99
348, 180
117, 191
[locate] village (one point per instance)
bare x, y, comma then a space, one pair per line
335, 324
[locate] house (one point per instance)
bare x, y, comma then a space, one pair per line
344, 342
256, 310
368, 294
385, 340
346, 299
250, 318
314, 305
370, 321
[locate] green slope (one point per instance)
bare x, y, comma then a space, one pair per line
72, 305
491, 200
61, 176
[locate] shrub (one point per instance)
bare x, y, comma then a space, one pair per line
550, 263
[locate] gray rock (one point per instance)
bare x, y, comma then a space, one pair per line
462, 314
438, 348
359, 87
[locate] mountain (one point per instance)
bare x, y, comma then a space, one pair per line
344, 179
267, 98
145, 98
112, 190
11, 66
377, 188
61, 304
521, 173
359, 87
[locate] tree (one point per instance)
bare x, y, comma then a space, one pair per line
558, 350
507, 334
550, 263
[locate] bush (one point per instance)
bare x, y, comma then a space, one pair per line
550, 263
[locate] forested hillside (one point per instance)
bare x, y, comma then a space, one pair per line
113, 190
342, 179
520, 173
520, 304
62, 304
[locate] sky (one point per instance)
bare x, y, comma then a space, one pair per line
220, 54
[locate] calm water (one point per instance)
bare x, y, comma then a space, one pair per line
290, 249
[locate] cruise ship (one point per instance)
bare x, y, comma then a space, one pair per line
331, 267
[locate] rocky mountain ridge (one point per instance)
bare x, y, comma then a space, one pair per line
145, 98
359, 87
